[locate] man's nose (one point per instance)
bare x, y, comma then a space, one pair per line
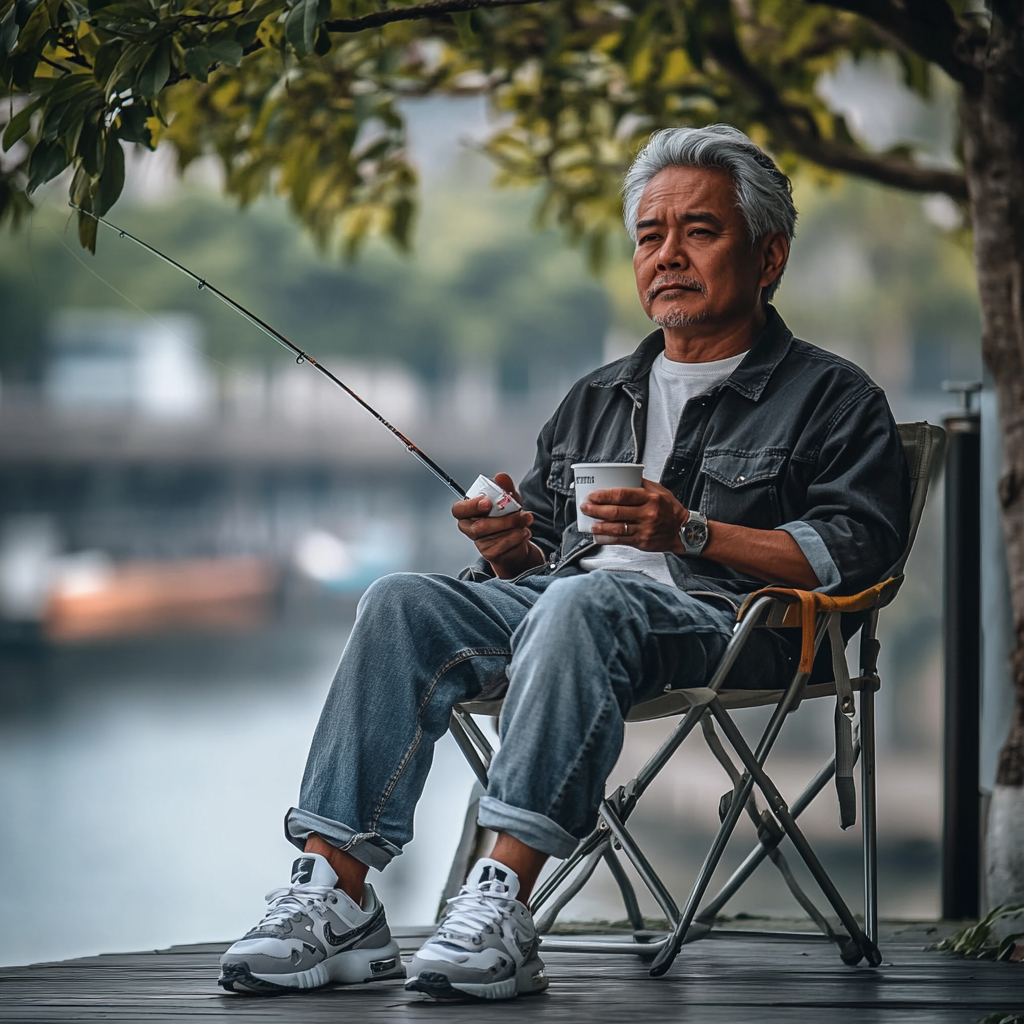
671, 255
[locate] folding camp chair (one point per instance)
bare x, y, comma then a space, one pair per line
817, 616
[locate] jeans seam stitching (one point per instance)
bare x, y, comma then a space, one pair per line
464, 655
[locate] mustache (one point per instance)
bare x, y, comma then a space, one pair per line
671, 279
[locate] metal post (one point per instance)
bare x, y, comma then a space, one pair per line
961, 838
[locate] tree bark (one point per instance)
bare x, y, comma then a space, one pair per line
993, 138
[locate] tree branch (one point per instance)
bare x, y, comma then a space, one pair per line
432, 9
895, 171
795, 127
928, 28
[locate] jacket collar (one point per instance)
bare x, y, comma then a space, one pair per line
749, 379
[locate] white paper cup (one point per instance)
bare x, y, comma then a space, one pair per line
601, 476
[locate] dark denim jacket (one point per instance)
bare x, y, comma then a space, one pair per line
796, 439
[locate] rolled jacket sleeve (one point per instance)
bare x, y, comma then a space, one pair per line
817, 554
856, 522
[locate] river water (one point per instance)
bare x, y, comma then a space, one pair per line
144, 788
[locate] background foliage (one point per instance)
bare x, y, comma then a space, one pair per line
301, 96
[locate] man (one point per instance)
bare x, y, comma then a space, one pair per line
765, 460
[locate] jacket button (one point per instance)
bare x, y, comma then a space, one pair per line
740, 479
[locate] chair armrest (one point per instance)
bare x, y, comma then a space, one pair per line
804, 606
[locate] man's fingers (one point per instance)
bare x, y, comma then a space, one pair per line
612, 513
471, 508
504, 544
619, 496
476, 528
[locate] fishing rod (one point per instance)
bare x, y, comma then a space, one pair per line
502, 503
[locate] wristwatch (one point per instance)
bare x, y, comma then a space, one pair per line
694, 534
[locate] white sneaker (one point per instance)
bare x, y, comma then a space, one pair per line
486, 945
313, 934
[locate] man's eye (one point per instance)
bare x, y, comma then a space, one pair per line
647, 238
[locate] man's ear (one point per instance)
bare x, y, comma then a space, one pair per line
774, 256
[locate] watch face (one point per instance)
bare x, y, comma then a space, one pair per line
695, 534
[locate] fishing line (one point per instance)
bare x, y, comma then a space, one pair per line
300, 355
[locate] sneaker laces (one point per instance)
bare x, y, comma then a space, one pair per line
475, 911
289, 901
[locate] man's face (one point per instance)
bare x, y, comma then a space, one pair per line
694, 262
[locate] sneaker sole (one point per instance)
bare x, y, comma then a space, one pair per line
530, 979
351, 967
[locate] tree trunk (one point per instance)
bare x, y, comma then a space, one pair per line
993, 137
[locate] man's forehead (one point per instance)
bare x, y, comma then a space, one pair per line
680, 190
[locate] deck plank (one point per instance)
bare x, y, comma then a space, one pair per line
727, 981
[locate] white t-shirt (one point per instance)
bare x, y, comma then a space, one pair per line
672, 385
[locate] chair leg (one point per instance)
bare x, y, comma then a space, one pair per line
860, 947
670, 950
869, 812
547, 920
551, 884
629, 900
641, 863
753, 860
473, 743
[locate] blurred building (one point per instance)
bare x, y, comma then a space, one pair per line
114, 361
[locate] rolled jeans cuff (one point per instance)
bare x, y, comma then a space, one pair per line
367, 847
536, 830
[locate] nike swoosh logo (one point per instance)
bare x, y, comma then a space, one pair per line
368, 928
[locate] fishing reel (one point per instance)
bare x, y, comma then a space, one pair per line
502, 503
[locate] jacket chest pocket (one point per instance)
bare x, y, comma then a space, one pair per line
743, 487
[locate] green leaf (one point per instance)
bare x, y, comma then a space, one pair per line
61, 103
133, 56
133, 124
87, 231
90, 145
197, 63
20, 123
47, 161
106, 59
401, 222
246, 34
301, 24
8, 31
35, 28
112, 179
155, 72
227, 51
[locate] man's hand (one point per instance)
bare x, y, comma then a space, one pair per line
505, 540
650, 517
647, 517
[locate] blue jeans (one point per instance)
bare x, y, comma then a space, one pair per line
571, 654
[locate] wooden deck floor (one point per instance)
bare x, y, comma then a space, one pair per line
728, 980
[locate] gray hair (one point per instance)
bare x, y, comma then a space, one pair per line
763, 193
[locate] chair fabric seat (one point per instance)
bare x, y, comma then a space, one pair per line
676, 702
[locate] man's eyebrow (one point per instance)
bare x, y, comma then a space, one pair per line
701, 216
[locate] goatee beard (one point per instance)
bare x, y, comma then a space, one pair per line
680, 318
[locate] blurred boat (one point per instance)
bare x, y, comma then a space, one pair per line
148, 597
